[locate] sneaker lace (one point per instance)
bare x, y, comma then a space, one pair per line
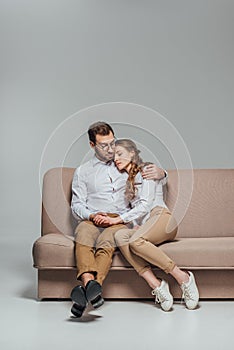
160, 297
187, 293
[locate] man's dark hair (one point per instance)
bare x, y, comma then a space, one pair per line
100, 128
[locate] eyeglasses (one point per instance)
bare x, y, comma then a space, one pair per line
105, 146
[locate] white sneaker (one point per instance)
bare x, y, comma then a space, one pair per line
163, 296
190, 292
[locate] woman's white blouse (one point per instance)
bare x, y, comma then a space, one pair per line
149, 195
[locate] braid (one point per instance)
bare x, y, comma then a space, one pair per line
137, 165
131, 190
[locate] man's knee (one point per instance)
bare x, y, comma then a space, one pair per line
84, 225
105, 243
86, 233
80, 236
105, 240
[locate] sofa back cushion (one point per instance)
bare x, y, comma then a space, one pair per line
210, 212
201, 200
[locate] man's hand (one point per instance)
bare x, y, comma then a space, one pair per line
92, 216
101, 220
106, 221
152, 172
95, 218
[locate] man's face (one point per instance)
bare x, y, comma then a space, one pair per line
104, 147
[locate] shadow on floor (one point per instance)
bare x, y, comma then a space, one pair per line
86, 317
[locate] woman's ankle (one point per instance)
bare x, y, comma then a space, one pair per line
180, 275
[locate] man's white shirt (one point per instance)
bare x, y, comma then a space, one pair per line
98, 187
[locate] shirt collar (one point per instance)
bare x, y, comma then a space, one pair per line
95, 161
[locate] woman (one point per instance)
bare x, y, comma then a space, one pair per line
152, 225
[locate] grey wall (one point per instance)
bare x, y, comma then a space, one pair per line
61, 56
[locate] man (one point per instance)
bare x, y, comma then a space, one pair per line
97, 191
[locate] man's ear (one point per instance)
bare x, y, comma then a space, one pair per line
92, 144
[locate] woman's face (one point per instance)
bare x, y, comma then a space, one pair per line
123, 158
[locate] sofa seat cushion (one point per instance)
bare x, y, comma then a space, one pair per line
213, 252
55, 250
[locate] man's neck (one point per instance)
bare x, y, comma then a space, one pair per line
103, 160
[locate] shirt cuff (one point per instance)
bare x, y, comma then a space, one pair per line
85, 215
124, 217
164, 179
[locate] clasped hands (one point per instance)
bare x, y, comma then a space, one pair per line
103, 220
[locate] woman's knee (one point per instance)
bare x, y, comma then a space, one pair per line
137, 244
172, 228
122, 237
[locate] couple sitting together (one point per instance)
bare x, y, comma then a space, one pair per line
118, 202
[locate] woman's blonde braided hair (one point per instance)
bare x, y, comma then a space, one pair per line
137, 165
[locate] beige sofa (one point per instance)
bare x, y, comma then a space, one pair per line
204, 244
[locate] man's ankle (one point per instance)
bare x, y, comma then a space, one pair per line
86, 277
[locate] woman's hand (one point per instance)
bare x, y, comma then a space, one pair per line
115, 221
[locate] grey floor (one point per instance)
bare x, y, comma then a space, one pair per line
27, 323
